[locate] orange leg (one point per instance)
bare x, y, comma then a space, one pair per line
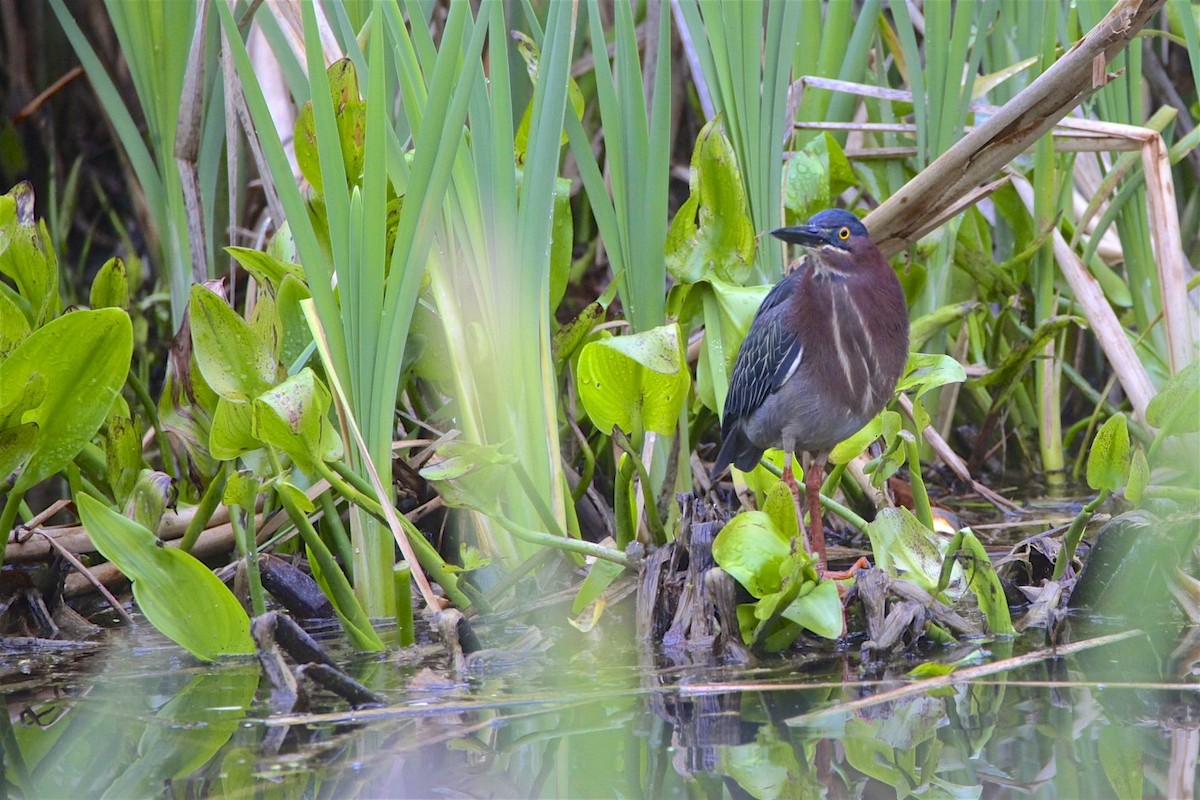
812, 486
789, 480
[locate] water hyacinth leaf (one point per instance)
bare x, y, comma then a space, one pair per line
241, 489
469, 475
295, 335
750, 548
1108, 460
532, 58
110, 287
926, 371
70, 370
639, 381
122, 456
712, 233
850, 448
904, 548
14, 327
234, 361
152, 493
349, 112
265, 323
1176, 407
819, 610
25, 256
232, 430
812, 177
1139, 476
780, 506
16, 445
294, 417
266, 268
179, 596
729, 310
985, 584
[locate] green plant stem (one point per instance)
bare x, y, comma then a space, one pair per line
948, 562
338, 531
1075, 533
652, 518
204, 510
243, 534
562, 543
356, 490
8, 517
844, 512
920, 496
624, 518
354, 618
404, 604
539, 503
151, 411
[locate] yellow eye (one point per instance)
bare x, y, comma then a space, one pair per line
844, 234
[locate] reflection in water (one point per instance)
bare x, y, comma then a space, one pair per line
587, 719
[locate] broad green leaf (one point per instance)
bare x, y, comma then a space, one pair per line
931, 669
985, 584
469, 475
349, 112
780, 506
295, 333
16, 445
819, 611
904, 548
728, 310
241, 489
712, 234
926, 371
638, 381
813, 176
147, 502
179, 595
847, 450
232, 430
14, 327
294, 416
1139, 476
122, 456
767, 768
265, 323
1176, 407
235, 362
1108, 460
110, 287
266, 268
69, 371
750, 548
26, 257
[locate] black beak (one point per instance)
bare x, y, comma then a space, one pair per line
805, 235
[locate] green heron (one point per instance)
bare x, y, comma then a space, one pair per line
821, 359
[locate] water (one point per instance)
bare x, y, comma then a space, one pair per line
594, 716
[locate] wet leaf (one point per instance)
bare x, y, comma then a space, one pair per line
926, 371
235, 362
110, 287
712, 234
26, 258
985, 584
232, 430
122, 456
638, 381
847, 450
350, 115
813, 176
728, 311
69, 371
294, 416
819, 611
1108, 460
152, 494
780, 506
750, 548
904, 548
1176, 407
179, 595
266, 268
1139, 476
14, 327
295, 335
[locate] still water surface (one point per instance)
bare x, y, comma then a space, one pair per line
590, 715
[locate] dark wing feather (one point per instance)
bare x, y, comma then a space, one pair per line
762, 365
